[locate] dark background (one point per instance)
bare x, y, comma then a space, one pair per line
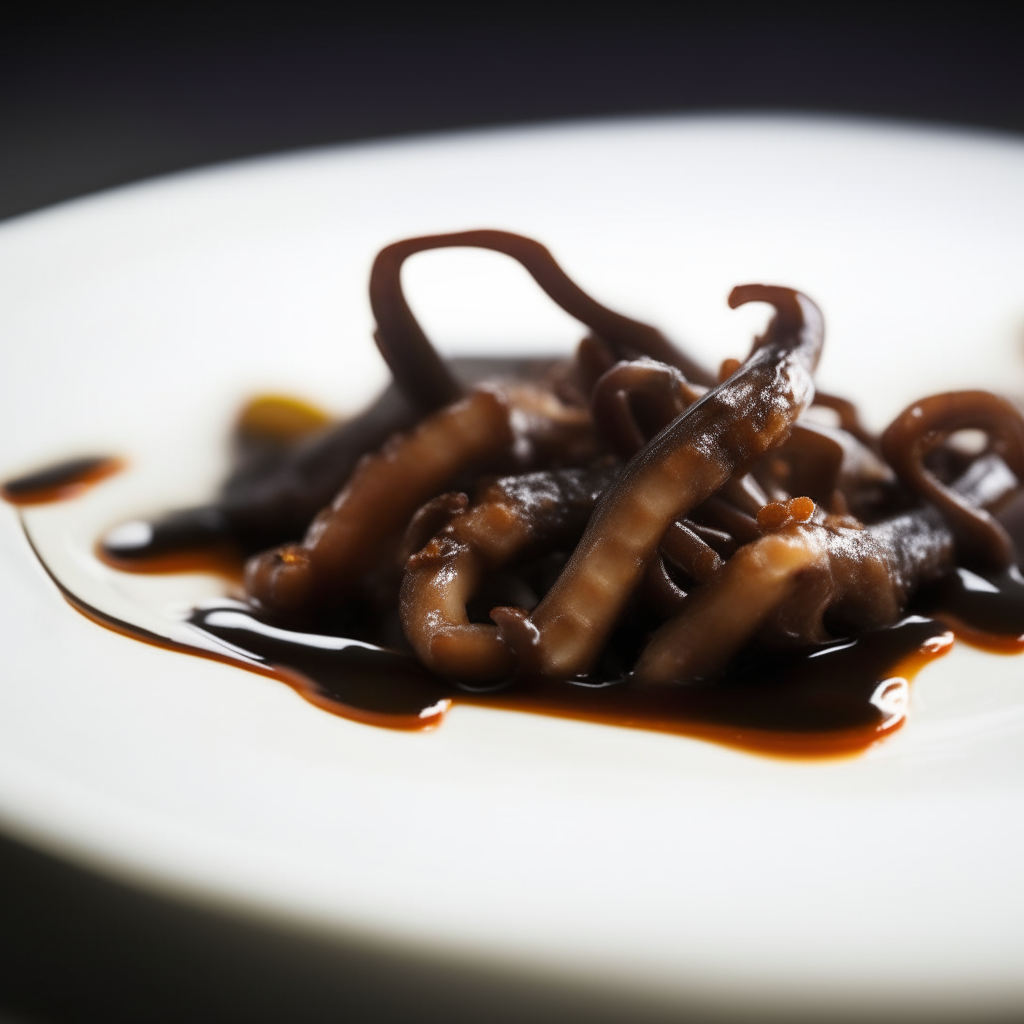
94, 96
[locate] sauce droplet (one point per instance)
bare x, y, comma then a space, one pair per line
985, 611
60, 481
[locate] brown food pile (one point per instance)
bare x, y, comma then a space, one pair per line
620, 515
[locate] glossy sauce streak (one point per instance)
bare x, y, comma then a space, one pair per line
223, 560
828, 700
985, 611
191, 541
345, 676
61, 481
823, 701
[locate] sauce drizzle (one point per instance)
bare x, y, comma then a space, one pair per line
60, 481
827, 700
985, 611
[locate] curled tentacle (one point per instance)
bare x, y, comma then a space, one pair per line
849, 418
720, 618
925, 425
516, 518
418, 369
420, 372
635, 400
729, 428
783, 586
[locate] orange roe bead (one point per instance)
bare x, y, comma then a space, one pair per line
801, 509
773, 515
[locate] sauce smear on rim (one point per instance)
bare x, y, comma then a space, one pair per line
60, 481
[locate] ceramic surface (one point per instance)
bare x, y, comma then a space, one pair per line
135, 323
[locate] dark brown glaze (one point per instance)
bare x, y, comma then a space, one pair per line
191, 540
361, 683
225, 560
354, 680
827, 701
823, 701
60, 481
985, 611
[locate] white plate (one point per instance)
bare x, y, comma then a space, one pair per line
135, 322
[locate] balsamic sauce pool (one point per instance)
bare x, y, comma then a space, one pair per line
826, 700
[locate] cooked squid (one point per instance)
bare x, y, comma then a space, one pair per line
622, 515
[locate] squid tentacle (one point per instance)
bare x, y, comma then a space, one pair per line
925, 425
514, 518
346, 538
729, 428
419, 370
664, 391
804, 582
